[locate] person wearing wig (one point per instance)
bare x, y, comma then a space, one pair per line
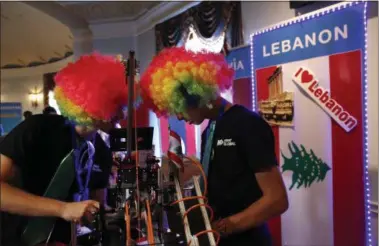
90, 94
245, 187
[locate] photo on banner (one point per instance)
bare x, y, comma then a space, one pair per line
309, 80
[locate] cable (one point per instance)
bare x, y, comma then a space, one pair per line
198, 164
149, 224
127, 224
188, 198
207, 231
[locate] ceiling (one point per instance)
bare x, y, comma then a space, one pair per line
94, 11
29, 37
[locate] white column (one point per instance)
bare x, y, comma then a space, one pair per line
83, 42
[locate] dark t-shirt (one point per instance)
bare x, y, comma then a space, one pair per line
37, 147
243, 144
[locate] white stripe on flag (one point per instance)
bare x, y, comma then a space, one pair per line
309, 219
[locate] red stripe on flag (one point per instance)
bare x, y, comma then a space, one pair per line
163, 125
348, 186
262, 76
190, 139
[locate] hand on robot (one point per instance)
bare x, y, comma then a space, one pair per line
76, 211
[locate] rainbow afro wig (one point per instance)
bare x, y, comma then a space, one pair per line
177, 79
92, 88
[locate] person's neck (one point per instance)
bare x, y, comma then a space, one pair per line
218, 104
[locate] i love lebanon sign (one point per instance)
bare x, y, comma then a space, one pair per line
306, 79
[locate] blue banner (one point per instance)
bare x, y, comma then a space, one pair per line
239, 60
335, 32
10, 116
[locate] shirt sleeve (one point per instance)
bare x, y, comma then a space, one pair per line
103, 159
259, 144
19, 142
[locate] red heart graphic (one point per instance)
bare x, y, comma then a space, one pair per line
306, 77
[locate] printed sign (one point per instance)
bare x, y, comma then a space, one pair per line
278, 108
308, 82
239, 60
318, 60
10, 115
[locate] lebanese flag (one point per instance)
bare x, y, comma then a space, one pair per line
330, 209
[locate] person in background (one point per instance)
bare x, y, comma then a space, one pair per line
27, 114
245, 187
49, 110
32, 153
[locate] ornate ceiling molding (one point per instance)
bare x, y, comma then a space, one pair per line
110, 28
9, 74
95, 12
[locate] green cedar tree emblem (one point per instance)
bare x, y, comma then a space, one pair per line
306, 167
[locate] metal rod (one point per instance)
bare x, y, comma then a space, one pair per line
207, 223
131, 66
182, 208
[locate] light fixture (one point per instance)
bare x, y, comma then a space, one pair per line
35, 96
310, 16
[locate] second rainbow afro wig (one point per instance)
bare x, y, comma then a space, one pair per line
92, 88
177, 78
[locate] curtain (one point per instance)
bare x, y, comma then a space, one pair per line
209, 19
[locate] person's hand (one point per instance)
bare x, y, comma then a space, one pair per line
75, 211
225, 226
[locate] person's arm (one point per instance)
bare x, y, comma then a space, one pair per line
273, 202
260, 150
16, 201
14, 151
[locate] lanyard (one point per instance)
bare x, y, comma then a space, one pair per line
209, 142
80, 150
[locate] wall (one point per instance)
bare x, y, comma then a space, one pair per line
258, 15
145, 51
16, 84
116, 45
16, 90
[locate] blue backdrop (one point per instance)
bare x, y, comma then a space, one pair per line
11, 115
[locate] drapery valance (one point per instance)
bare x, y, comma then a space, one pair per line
209, 20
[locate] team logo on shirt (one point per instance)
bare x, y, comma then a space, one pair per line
226, 142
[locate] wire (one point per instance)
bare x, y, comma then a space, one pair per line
149, 224
127, 224
188, 198
198, 164
207, 231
